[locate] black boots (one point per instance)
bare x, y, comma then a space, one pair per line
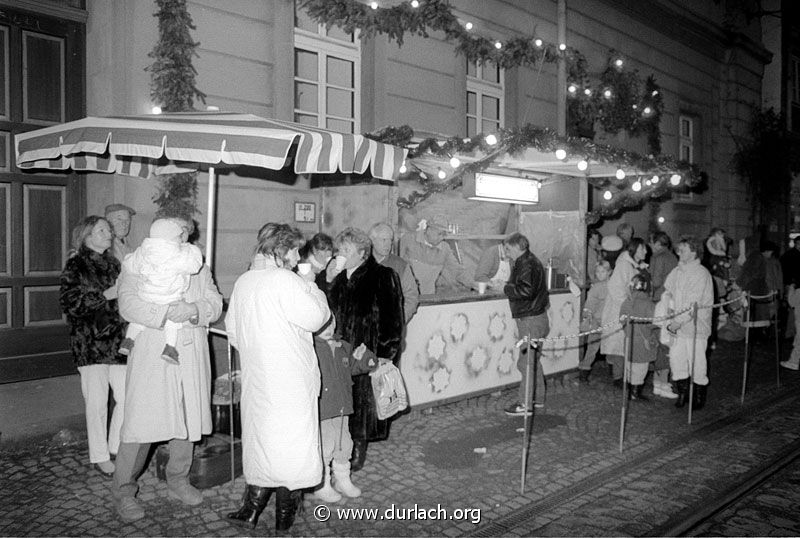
682, 388
286, 503
253, 503
699, 400
359, 454
635, 393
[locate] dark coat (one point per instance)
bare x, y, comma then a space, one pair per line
336, 368
526, 288
96, 328
369, 309
644, 343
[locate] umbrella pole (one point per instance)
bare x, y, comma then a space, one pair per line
210, 210
230, 411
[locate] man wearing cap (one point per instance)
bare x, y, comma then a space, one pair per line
432, 261
119, 216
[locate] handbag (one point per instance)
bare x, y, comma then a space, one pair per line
389, 390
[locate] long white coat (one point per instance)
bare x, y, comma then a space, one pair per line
613, 341
688, 283
165, 401
270, 319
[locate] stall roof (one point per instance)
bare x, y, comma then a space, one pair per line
144, 146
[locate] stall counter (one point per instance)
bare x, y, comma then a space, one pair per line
461, 344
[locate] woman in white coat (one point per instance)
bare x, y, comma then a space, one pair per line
612, 344
272, 315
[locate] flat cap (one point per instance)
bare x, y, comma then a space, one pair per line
611, 243
119, 207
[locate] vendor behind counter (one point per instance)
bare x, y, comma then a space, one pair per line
432, 260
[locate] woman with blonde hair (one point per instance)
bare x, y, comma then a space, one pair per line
89, 299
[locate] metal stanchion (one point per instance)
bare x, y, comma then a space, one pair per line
625, 370
694, 358
746, 346
777, 343
528, 413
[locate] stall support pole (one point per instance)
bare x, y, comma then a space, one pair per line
777, 344
746, 347
625, 379
694, 358
529, 406
230, 411
210, 214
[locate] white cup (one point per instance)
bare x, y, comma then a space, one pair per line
481, 288
340, 261
303, 268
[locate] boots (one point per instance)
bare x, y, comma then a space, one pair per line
286, 503
682, 388
253, 503
341, 474
326, 493
635, 393
359, 454
699, 400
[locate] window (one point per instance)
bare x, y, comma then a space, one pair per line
686, 149
794, 92
327, 69
485, 102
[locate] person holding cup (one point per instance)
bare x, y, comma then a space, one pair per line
493, 269
318, 253
367, 300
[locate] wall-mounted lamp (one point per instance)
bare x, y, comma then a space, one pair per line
497, 188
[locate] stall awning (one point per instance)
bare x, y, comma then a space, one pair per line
144, 146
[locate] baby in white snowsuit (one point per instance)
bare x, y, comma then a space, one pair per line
164, 262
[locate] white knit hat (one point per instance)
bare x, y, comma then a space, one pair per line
169, 229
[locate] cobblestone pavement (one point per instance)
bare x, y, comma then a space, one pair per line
428, 479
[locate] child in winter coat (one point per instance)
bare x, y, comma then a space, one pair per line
164, 262
644, 336
337, 363
592, 315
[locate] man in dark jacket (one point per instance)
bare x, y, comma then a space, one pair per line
528, 298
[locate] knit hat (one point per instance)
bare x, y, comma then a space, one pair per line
168, 229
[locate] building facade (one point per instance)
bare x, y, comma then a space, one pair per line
63, 59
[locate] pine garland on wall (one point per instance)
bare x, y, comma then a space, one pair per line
173, 88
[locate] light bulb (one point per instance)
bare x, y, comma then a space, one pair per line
675, 179
583, 165
655, 92
156, 109
562, 47
538, 42
403, 168
607, 94
607, 195
561, 154
661, 220
441, 174
454, 162
618, 62
468, 26
491, 139
620, 173
498, 45
647, 183
373, 5
572, 88
587, 92
647, 110
637, 186
415, 3
634, 107
655, 179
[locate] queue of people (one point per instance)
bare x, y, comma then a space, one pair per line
311, 320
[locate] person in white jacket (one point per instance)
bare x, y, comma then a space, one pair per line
687, 284
164, 261
272, 315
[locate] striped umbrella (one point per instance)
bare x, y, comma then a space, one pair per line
146, 146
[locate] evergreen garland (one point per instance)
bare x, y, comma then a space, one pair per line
173, 88
515, 140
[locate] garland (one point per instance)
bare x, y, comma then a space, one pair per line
616, 100
515, 140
